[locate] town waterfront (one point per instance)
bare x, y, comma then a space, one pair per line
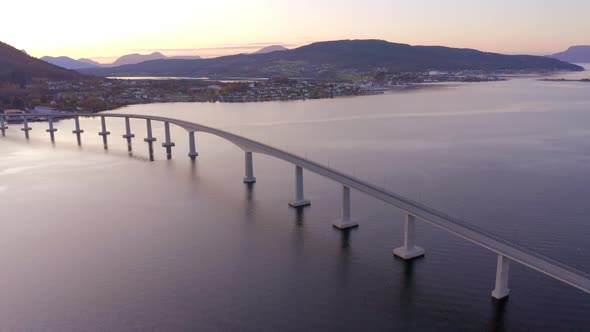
98, 240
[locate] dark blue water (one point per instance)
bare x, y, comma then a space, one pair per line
95, 240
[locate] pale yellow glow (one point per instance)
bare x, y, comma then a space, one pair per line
111, 28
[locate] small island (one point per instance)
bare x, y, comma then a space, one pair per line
564, 80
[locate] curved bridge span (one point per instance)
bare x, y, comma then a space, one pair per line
507, 251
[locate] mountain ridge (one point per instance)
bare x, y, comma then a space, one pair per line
18, 67
127, 59
69, 63
271, 48
333, 58
574, 54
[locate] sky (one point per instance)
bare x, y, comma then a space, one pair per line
106, 29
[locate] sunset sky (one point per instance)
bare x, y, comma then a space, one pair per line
106, 29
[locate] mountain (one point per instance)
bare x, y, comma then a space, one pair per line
90, 62
67, 62
272, 48
185, 57
130, 59
576, 54
135, 58
333, 58
18, 67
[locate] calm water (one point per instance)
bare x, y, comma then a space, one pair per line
95, 240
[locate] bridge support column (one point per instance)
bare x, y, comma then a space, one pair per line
345, 222
26, 127
249, 178
409, 250
150, 139
51, 130
128, 135
168, 144
502, 291
192, 153
299, 200
78, 131
104, 133
3, 125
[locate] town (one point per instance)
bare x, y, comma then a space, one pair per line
97, 94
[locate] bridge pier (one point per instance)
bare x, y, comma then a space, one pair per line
26, 127
78, 131
345, 222
128, 135
150, 139
3, 125
104, 133
299, 200
51, 130
168, 144
192, 145
409, 250
502, 291
249, 178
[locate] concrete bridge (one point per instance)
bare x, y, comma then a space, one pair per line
507, 251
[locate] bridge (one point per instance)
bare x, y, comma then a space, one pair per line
507, 251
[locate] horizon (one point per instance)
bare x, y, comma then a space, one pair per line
200, 28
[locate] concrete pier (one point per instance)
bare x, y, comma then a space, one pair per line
249, 178
128, 135
409, 250
3, 125
51, 130
299, 200
150, 139
168, 144
502, 291
26, 127
345, 222
104, 133
192, 153
78, 131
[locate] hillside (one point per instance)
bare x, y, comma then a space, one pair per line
575, 54
18, 67
331, 59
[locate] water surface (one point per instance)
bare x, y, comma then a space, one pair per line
96, 240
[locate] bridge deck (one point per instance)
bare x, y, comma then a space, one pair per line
486, 239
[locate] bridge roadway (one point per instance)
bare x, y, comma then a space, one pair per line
507, 250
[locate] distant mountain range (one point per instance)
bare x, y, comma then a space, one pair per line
336, 58
272, 48
69, 63
18, 67
129, 59
575, 54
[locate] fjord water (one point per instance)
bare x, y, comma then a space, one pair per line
96, 240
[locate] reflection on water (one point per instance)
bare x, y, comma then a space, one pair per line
94, 240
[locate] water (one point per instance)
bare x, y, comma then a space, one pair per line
96, 240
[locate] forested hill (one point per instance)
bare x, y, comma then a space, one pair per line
335, 58
18, 67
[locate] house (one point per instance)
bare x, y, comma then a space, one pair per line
12, 115
13, 112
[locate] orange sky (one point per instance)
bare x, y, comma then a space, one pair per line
107, 29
